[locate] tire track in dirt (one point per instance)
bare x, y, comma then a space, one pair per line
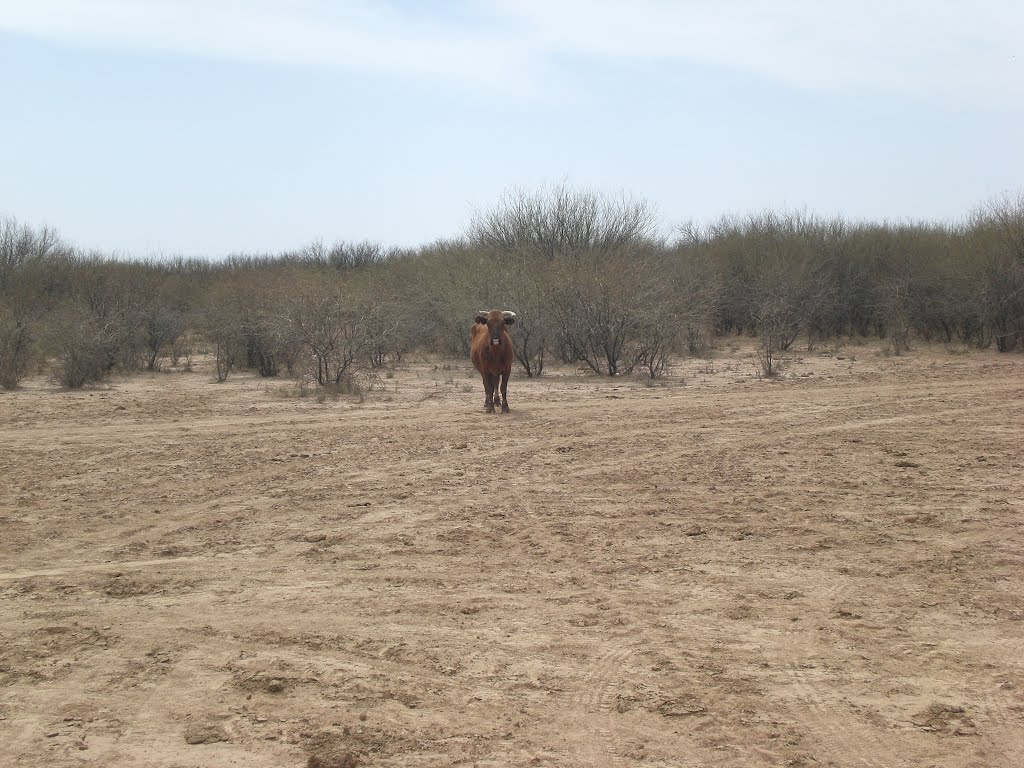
596, 700
754, 428
119, 433
811, 702
809, 698
697, 723
1006, 714
127, 565
757, 426
995, 700
741, 414
824, 687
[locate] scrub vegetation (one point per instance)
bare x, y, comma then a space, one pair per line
594, 282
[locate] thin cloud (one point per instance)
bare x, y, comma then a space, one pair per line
963, 53
357, 35
969, 52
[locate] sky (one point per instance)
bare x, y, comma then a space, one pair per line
156, 128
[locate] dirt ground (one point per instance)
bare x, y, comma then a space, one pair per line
716, 570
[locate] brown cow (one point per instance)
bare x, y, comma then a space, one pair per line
490, 349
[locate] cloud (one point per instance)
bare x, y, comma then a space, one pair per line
961, 52
355, 35
930, 50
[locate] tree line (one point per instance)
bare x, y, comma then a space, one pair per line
593, 281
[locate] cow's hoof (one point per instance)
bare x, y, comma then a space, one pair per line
505, 408
488, 408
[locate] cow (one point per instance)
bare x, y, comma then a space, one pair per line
490, 349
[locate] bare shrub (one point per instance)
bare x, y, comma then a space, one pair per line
594, 326
654, 349
21, 246
775, 323
225, 357
183, 348
331, 325
1005, 293
530, 339
35, 269
526, 284
561, 221
86, 349
221, 329
894, 314
235, 323
998, 242
576, 266
161, 328
15, 348
821, 269
390, 325
112, 296
611, 315
558, 256
340, 257
260, 328
695, 292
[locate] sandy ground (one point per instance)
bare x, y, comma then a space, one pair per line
714, 571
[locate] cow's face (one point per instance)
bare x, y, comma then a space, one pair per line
495, 320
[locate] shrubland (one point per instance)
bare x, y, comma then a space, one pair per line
595, 282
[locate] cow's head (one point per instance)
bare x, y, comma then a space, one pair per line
495, 320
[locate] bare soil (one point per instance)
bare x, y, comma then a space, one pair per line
716, 570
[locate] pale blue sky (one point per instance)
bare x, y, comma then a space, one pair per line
203, 127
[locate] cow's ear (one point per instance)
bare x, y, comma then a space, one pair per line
481, 319
510, 320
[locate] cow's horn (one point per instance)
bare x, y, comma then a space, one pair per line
508, 314
483, 312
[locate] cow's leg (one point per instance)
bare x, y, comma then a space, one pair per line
489, 386
495, 397
504, 391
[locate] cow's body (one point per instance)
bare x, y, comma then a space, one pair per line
490, 349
